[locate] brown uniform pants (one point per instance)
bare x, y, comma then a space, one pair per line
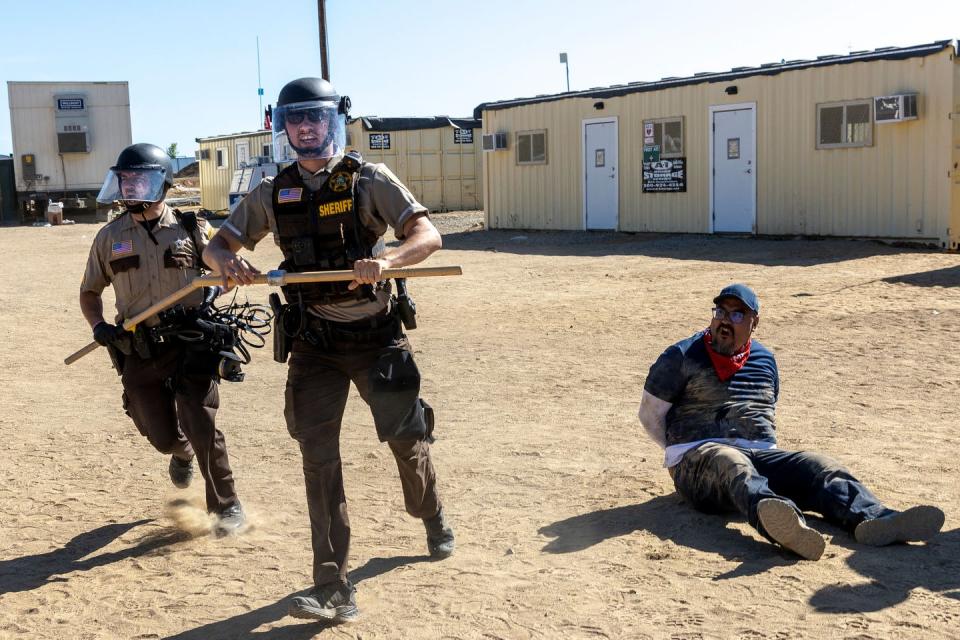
180, 421
318, 382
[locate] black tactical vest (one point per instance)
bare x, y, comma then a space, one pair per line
321, 231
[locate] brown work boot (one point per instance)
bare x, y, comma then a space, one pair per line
786, 527
913, 525
439, 536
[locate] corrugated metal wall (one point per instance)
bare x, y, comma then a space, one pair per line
215, 181
443, 175
955, 167
897, 188
33, 125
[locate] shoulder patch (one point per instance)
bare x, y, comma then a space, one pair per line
294, 194
121, 248
340, 181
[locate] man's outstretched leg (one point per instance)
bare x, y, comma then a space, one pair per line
716, 478
819, 483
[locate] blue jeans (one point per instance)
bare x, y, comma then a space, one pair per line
716, 477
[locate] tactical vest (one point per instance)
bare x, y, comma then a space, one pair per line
321, 231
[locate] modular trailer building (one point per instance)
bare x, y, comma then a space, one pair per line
220, 156
859, 145
437, 158
65, 136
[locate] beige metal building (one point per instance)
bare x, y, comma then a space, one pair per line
865, 145
65, 136
437, 158
220, 156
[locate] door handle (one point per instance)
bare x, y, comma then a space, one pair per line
748, 171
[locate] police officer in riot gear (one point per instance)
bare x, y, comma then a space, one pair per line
329, 210
146, 254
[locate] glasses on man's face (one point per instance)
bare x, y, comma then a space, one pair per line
736, 317
313, 115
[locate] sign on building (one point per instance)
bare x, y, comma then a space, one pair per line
463, 136
380, 141
665, 176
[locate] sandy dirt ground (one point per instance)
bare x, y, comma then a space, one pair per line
567, 525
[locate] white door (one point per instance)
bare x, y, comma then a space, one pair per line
243, 153
734, 171
600, 187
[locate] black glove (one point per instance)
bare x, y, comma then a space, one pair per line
111, 335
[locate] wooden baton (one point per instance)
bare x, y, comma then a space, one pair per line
275, 278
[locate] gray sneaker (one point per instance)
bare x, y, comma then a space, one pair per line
786, 527
913, 525
230, 521
335, 603
439, 536
181, 472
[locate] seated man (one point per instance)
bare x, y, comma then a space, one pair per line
709, 401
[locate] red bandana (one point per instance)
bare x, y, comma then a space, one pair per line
726, 366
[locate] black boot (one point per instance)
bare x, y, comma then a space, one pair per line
439, 536
181, 472
334, 603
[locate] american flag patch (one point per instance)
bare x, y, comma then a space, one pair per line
290, 195
121, 248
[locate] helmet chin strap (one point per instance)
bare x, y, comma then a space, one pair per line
138, 207
315, 152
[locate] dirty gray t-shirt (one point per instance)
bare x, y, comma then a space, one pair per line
705, 407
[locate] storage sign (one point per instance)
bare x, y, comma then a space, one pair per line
463, 136
665, 176
70, 104
380, 141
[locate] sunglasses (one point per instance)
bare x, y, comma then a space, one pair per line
313, 115
736, 317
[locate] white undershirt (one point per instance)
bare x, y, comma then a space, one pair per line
675, 452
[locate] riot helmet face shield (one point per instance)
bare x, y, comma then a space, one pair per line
132, 186
310, 130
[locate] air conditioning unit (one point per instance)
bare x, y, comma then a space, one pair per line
895, 108
73, 123
494, 141
202, 154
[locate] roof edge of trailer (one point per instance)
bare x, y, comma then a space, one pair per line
376, 123
230, 136
768, 69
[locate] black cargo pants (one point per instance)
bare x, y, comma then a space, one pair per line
318, 381
181, 421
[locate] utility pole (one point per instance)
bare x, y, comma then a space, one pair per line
324, 53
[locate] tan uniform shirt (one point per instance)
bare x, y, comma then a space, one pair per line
382, 201
141, 272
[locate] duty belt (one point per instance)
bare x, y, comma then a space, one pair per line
378, 329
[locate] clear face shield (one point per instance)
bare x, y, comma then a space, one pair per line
132, 185
313, 130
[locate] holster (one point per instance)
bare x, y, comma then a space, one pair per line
281, 340
117, 358
406, 308
143, 343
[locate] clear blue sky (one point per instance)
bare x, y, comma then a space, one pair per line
192, 65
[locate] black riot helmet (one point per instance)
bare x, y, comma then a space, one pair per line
142, 174
314, 105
